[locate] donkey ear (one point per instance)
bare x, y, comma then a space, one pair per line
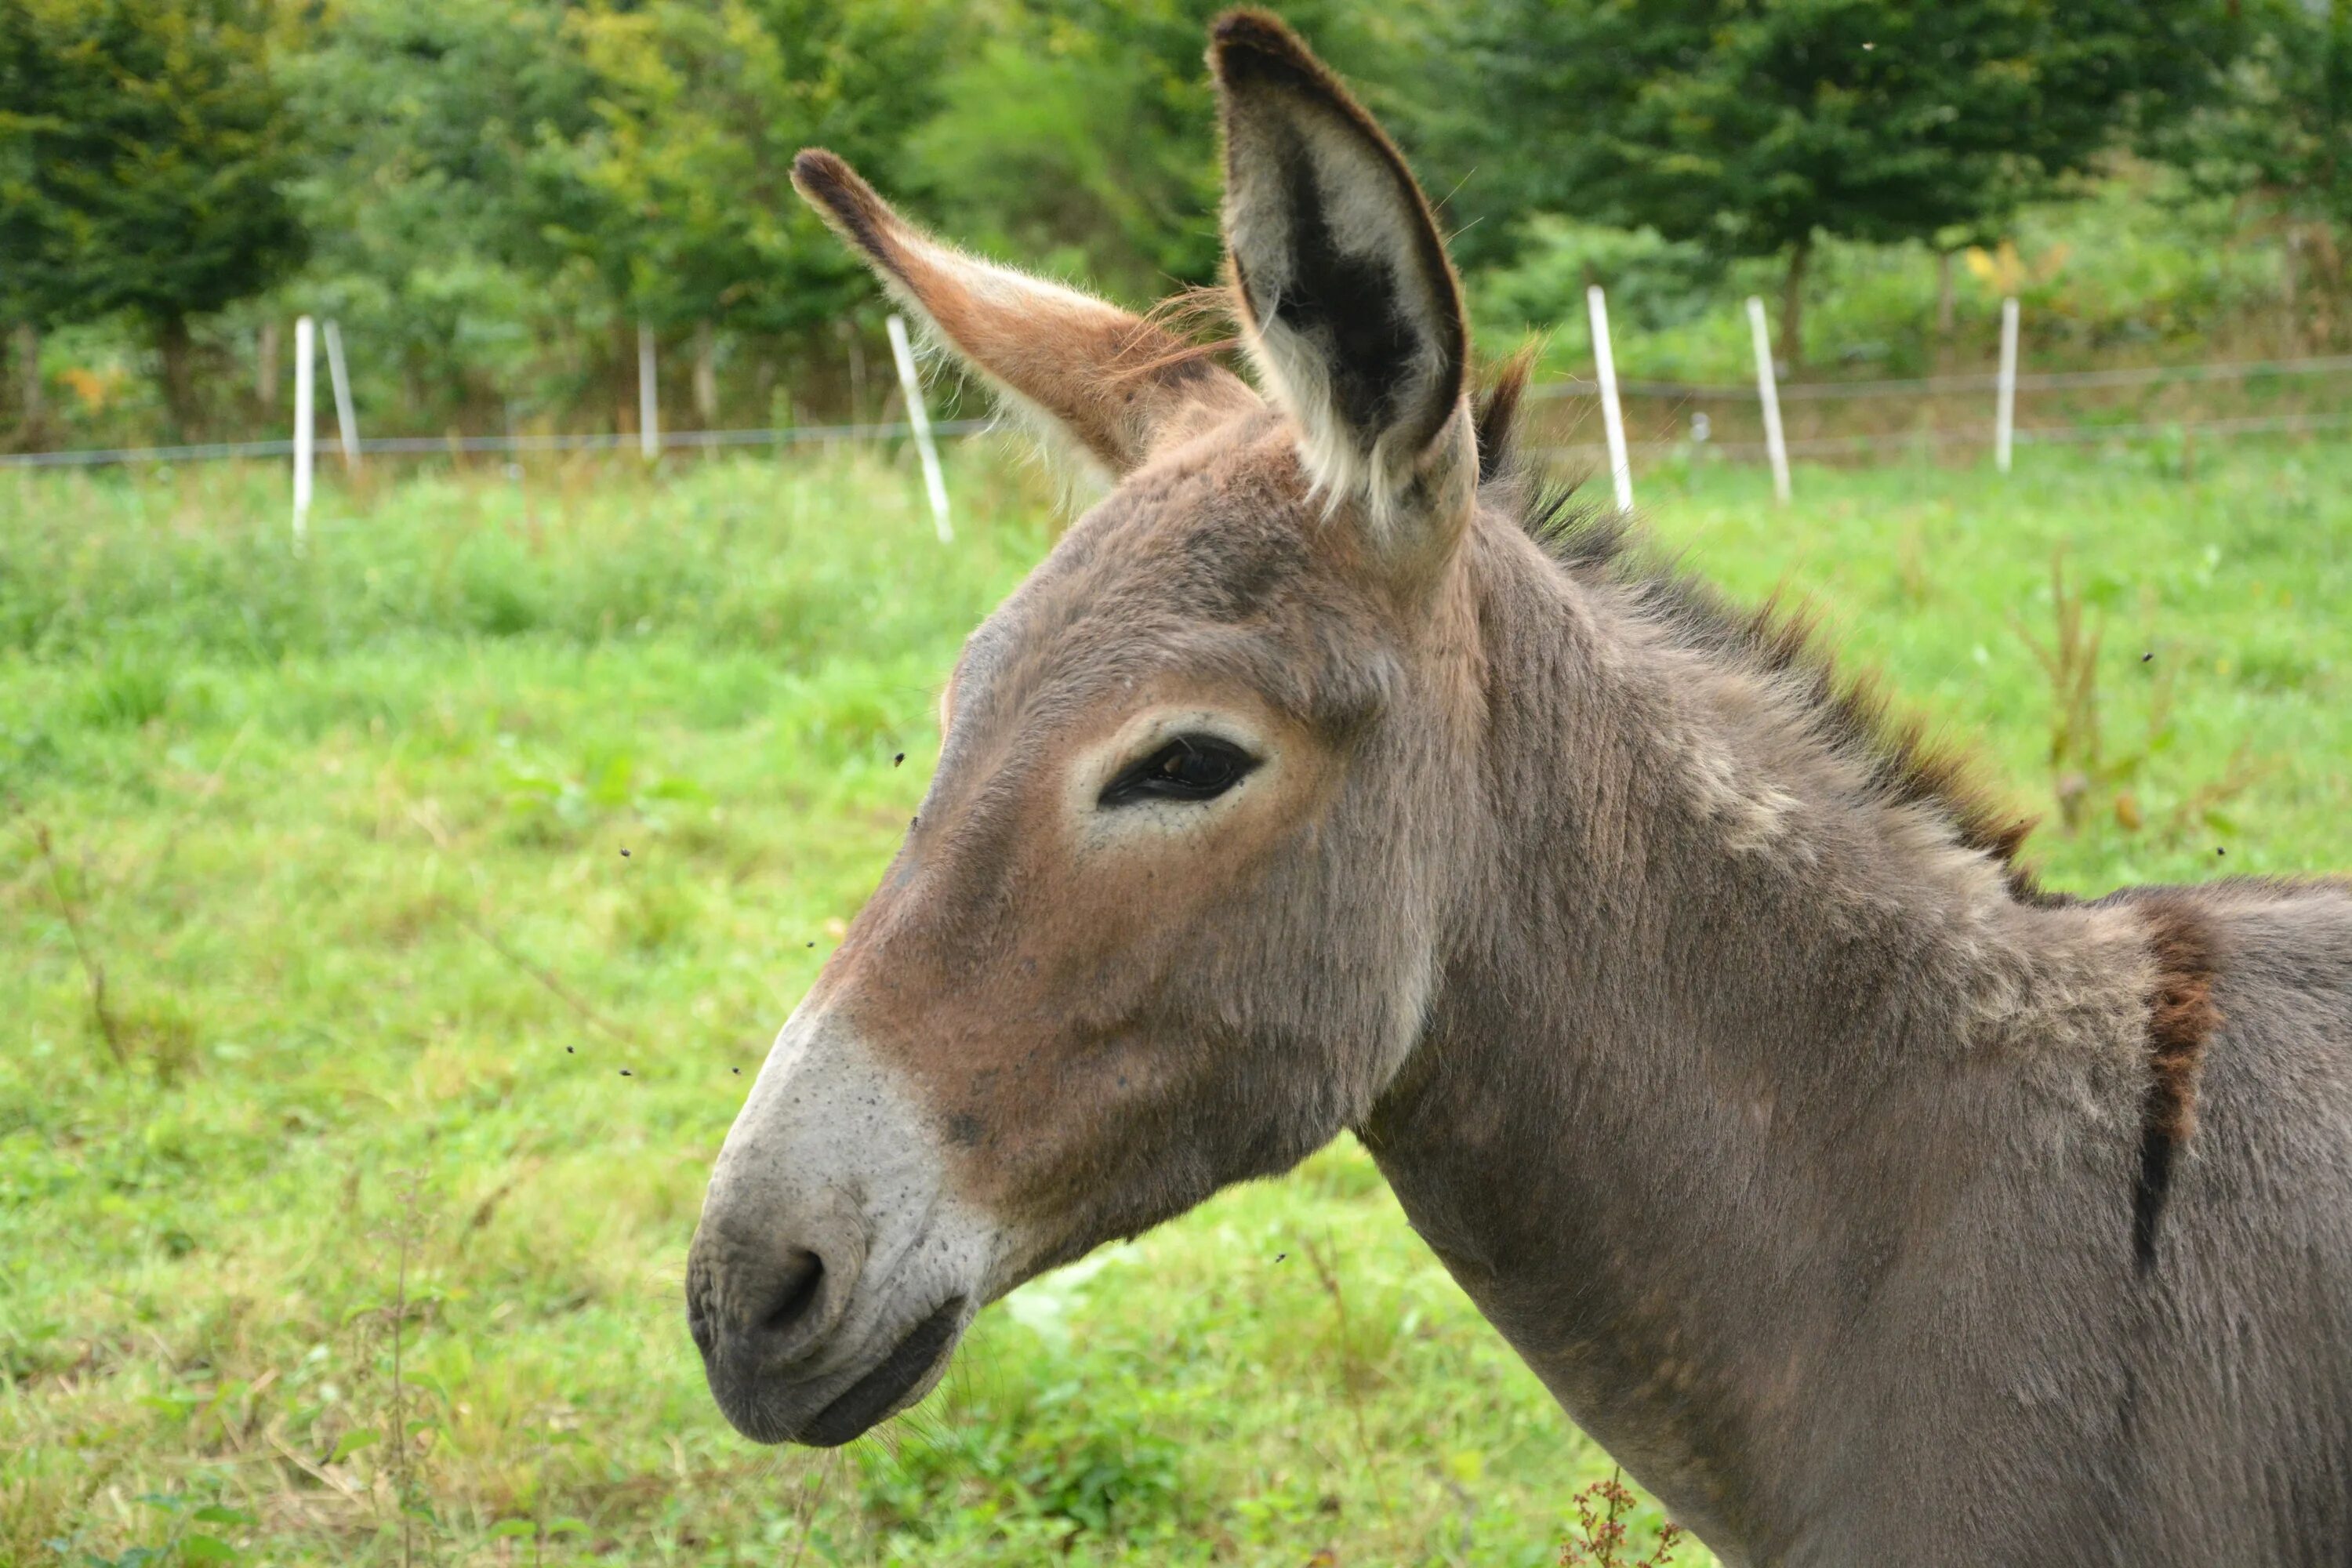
1355, 317
1115, 382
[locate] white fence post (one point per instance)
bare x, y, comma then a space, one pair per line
1612, 418
1767, 391
919, 417
347, 425
305, 393
2004, 411
649, 403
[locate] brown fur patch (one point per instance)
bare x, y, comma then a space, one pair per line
2181, 1016
2181, 1013
1905, 764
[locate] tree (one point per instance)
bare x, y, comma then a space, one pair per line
2279, 132
678, 196
1078, 135
1751, 126
33, 247
150, 148
41, 260
428, 121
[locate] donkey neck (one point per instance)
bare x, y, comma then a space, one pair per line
1718, 1032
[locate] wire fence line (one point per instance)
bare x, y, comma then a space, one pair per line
1977, 435
2051, 381
470, 444
1935, 385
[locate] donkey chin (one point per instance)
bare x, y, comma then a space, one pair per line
833, 1270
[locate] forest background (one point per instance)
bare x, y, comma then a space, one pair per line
492, 199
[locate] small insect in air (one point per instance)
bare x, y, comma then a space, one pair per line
568, 1051
914, 821
896, 760
1280, 1256
624, 854
625, 1072
739, 1072
2145, 656
2219, 850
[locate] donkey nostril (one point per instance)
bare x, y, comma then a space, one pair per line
794, 1292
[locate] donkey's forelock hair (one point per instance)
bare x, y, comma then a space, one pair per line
1204, 321
1904, 764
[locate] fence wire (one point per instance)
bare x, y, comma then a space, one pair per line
1941, 385
1572, 386
413, 446
1981, 435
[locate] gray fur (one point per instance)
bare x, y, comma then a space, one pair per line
1802, 1173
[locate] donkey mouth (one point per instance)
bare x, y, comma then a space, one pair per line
864, 1403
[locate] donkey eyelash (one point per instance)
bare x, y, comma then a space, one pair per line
1188, 768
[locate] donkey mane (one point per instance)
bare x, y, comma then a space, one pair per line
1902, 763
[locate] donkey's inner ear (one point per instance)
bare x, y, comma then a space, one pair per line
1354, 314
1119, 384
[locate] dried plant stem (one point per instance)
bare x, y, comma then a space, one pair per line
2087, 780
555, 983
1599, 1519
1327, 1275
2242, 772
2071, 660
92, 968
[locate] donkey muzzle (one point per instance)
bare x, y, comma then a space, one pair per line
832, 1271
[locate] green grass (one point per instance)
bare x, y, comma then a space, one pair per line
344, 832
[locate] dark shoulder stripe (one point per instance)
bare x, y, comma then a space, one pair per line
2181, 1016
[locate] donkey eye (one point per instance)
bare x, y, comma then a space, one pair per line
1189, 767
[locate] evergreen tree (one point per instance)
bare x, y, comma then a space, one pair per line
429, 124
1078, 135
2279, 132
148, 151
1751, 126
678, 197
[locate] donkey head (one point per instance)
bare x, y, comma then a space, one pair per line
1169, 916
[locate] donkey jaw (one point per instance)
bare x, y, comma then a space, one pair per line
777, 1411
833, 1270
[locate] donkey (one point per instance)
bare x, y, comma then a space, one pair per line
1869, 1204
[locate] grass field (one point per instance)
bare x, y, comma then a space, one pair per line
398, 1106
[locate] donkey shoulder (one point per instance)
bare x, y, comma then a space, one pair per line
2251, 1022
2278, 949
2275, 1080
2280, 960
2246, 1360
